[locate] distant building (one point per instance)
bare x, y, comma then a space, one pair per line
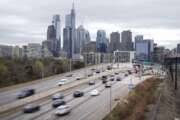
69, 33
6, 51
126, 41
124, 56
17, 52
53, 43
178, 48
144, 50
82, 38
101, 42
138, 38
90, 47
159, 54
114, 42
57, 25
34, 50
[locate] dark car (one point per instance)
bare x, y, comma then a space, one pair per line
104, 81
58, 103
126, 75
91, 82
116, 73
104, 77
118, 78
31, 108
25, 93
129, 71
78, 94
112, 75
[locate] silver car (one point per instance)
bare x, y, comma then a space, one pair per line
63, 110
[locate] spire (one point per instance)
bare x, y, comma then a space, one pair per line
73, 5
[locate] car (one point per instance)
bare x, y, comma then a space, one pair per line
78, 78
129, 72
90, 74
57, 103
63, 110
118, 78
97, 71
111, 79
116, 73
69, 75
78, 94
126, 75
112, 75
57, 96
30, 108
94, 93
104, 77
62, 82
25, 93
104, 81
107, 85
109, 67
92, 82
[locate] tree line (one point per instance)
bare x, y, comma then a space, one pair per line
15, 71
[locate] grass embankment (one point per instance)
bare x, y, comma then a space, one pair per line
135, 104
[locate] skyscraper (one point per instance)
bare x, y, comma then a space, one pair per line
57, 27
126, 39
52, 43
101, 41
138, 38
82, 38
69, 33
178, 48
114, 41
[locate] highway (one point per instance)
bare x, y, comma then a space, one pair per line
86, 107
40, 86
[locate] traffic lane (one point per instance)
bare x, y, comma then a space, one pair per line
91, 105
103, 109
47, 105
66, 93
74, 103
9, 96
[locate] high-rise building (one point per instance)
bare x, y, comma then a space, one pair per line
82, 38
138, 38
6, 51
69, 33
126, 39
144, 50
53, 43
178, 48
101, 42
114, 41
57, 27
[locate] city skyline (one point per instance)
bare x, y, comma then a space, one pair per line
22, 28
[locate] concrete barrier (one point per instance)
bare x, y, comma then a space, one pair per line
38, 96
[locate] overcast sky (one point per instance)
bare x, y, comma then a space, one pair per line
25, 21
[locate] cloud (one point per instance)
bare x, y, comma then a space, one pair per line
26, 21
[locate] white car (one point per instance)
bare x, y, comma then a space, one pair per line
94, 93
63, 110
62, 82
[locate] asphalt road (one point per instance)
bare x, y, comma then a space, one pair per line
10, 95
86, 107
82, 108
